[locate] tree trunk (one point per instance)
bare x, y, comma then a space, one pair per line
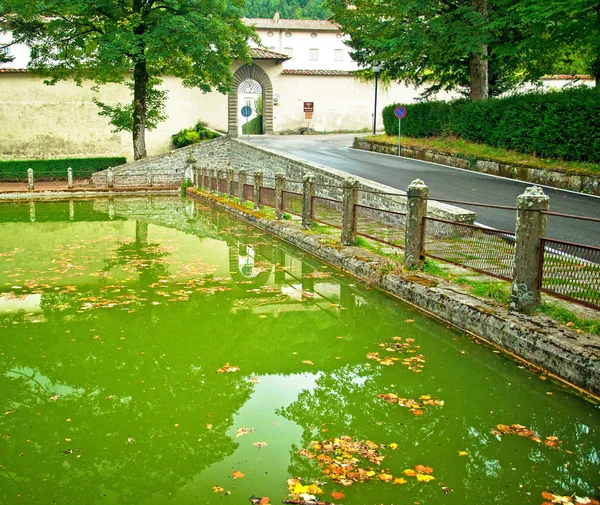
140, 79
479, 77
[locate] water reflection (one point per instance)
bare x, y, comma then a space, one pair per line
116, 314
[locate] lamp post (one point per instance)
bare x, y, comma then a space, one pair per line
376, 70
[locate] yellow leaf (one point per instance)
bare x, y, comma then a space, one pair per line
385, 477
425, 478
312, 489
238, 475
463, 453
217, 489
410, 473
399, 480
393, 446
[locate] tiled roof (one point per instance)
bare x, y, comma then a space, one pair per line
12, 70
292, 24
264, 54
317, 72
561, 77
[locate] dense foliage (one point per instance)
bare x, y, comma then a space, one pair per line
480, 47
103, 40
288, 9
254, 126
189, 136
16, 170
559, 124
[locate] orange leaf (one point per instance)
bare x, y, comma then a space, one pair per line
385, 477
547, 496
424, 469
410, 473
336, 495
238, 475
264, 500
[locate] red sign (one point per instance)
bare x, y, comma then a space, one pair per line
309, 106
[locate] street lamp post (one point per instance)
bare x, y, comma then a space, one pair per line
376, 70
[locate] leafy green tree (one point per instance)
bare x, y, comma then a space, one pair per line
288, 9
103, 40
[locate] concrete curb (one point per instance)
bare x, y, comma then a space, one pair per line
572, 357
554, 178
93, 193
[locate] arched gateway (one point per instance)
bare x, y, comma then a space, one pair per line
258, 74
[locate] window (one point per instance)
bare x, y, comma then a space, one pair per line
4, 50
269, 34
288, 34
314, 55
339, 55
289, 51
313, 35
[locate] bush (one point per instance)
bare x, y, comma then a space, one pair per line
557, 124
16, 170
189, 136
255, 126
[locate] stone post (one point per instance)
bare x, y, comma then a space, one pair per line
230, 173
149, 178
242, 174
202, 174
110, 178
188, 174
70, 178
279, 189
220, 176
417, 194
30, 179
531, 227
349, 211
32, 210
307, 200
258, 183
71, 210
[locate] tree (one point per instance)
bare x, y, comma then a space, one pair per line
445, 44
103, 40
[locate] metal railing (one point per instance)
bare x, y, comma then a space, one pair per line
381, 225
249, 192
292, 203
266, 196
327, 211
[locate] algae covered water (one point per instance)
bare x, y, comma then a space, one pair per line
155, 351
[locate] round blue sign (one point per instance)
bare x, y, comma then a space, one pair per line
246, 111
400, 112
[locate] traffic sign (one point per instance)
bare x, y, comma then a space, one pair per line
400, 112
246, 111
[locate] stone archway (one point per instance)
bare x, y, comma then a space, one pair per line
259, 75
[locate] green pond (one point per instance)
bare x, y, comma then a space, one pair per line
117, 317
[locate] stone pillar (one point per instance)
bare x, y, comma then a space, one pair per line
279, 189
258, 183
149, 178
230, 173
70, 178
242, 174
307, 200
30, 179
220, 175
417, 194
201, 174
188, 175
349, 211
110, 178
71, 210
32, 210
531, 227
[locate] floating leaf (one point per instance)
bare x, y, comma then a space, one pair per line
217, 489
238, 475
410, 472
425, 478
308, 362
228, 368
423, 469
260, 445
463, 453
386, 477
243, 431
399, 481
393, 446
336, 495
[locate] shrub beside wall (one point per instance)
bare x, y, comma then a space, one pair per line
559, 124
189, 136
16, 170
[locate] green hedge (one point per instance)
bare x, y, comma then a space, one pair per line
254, 125
557, 124
189, 136
16, 170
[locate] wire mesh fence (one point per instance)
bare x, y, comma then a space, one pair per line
235, 188
570, 271
249, 192
292, 202
213, 184
380, 225
223, 186
206, 181
266, 196
482, 249
327, 211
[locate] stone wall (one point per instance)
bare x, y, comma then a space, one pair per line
167, 170
553, 178
252, 158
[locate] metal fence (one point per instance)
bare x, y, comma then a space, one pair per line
327, 211
570, 270
292, 202
384, 226
235, 188
223, 186
213, 183
249, 192
266, 196
482, 249
206, 182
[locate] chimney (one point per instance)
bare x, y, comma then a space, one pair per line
276, 17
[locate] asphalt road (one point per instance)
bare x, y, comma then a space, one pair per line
445, 183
